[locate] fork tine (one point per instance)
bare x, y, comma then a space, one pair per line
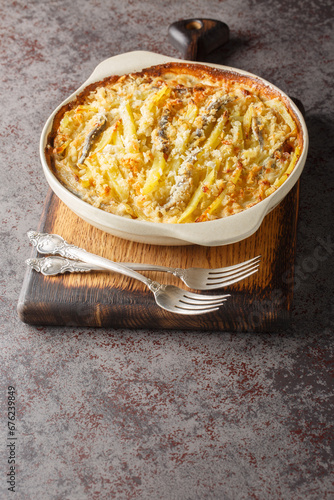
238, 275
193, 303
202, 303
233, 274
193, 307
195, 298
242, 265
227, 282
193, 312
190, 303
230, 274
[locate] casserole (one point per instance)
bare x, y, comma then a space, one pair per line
209, 233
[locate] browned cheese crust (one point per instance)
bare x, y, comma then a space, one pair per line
175, 143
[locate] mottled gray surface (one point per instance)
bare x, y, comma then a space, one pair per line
166, 415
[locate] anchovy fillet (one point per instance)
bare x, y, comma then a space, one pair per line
209, 117
162, 132
96, 130
256, 124
181, 190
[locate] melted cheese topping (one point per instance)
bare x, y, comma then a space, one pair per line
173, 148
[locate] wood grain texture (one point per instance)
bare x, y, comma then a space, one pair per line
261, 302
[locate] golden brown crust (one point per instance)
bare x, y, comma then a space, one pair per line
144, 173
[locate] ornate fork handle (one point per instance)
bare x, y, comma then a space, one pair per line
168, 297
54, 244
53, 265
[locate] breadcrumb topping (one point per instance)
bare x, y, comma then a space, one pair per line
176, 145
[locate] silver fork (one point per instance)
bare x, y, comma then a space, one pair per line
194, 277
168, 297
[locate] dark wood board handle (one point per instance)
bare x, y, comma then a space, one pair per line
196, 38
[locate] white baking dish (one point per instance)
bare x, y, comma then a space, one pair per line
211, 233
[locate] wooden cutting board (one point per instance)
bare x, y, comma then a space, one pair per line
260, 303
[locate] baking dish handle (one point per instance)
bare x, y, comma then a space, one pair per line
236, 227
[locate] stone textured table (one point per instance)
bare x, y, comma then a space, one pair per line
175, 415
